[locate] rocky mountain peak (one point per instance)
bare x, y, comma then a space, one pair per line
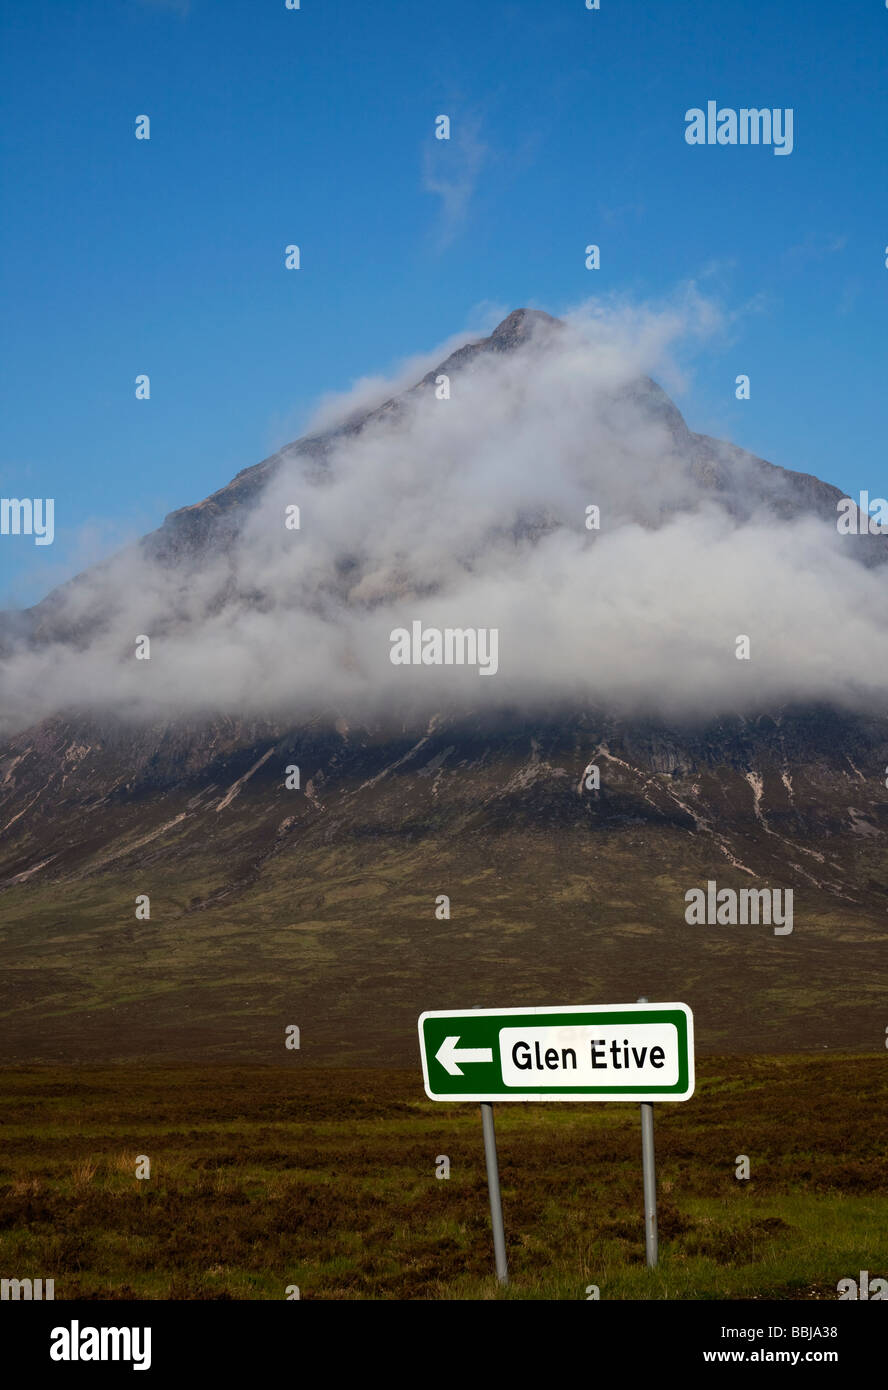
518, 327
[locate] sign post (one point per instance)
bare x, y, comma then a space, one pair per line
493, 1187
639, 1052
649, 1179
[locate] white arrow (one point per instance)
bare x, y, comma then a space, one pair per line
448, 1055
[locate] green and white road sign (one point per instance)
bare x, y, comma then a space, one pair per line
638, 1052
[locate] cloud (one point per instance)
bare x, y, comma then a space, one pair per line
471, 512
451, 170
816, 246
370, 392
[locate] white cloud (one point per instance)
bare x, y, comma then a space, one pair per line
471, 512
451, 170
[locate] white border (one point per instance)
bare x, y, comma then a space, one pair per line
497, 1097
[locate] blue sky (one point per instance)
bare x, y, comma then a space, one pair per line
316, 126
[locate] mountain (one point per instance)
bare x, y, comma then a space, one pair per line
320, 906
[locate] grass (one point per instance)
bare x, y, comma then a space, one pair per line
262, 1178
337, 933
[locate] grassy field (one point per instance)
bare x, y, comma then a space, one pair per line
262, 1178
81, 978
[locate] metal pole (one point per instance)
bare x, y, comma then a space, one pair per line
493, 1186
649, 1174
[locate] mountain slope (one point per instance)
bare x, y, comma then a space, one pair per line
317, 905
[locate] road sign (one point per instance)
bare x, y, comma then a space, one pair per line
589, 1052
